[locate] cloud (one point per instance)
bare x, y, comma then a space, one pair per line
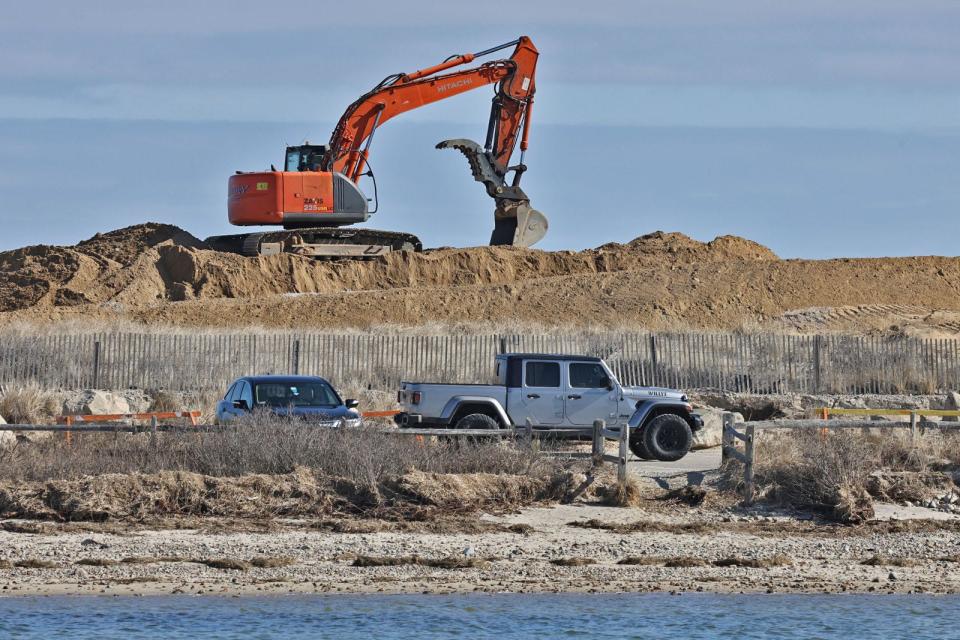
813, 43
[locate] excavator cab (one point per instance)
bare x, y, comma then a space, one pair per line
305, 157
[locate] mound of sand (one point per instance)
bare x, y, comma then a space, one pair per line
161, 275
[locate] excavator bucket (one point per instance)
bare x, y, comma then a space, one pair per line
517, 225
515, 222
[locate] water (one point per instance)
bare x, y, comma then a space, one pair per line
483, 616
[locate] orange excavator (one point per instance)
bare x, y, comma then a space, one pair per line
317, 194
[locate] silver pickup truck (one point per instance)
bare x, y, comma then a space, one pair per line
557, 391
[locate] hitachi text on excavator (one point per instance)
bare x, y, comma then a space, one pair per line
317, 194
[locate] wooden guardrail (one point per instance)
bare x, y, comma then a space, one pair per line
526, 433
153, 416
731, 436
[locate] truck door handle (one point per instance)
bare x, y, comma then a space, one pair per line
574, 396
533, 395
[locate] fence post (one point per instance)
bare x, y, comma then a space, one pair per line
913, 426
622, 462
503, 344
597, 441
96, 365
528, 432
296, 357
748, 467
653, 359
816, 364
726, 440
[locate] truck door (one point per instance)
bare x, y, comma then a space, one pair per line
589, 395
542, 394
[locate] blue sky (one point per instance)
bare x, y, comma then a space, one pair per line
819, 130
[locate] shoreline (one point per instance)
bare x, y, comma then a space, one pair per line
817, 561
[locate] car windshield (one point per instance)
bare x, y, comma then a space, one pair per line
295, 394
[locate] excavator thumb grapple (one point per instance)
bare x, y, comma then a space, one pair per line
515, 222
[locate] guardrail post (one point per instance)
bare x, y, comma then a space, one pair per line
597, 441
748, 488
726, 439
622, 463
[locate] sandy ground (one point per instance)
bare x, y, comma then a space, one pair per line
822, 558
160, 275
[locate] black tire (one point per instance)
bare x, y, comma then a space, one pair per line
637, 446
668, 437
476, 421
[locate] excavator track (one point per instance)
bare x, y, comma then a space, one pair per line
318, 242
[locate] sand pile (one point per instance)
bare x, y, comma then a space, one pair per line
161, 275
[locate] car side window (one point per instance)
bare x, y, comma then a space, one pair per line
246, 394
542, 374
232, 392
588, 375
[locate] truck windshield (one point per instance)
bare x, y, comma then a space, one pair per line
295, 394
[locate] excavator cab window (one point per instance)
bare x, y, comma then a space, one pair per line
308, 157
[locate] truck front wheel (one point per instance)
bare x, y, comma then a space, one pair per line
637, 446
667, 437
476, 421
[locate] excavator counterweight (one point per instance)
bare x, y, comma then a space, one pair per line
317, 194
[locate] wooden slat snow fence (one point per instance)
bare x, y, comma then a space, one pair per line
730, 450
751, 363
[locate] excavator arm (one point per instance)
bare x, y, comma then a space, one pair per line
515, 222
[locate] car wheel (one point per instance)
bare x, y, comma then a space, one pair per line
668, 437
637, 446
476, 421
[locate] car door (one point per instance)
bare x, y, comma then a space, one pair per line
588, 394
225, 406
246, 394
542, 392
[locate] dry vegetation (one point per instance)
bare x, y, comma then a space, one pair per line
28, 404
839, 473
263, 445
266, 467
453, 562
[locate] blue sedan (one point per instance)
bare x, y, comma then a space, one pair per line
307, 397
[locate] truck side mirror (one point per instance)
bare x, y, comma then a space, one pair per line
241, 404
609, 386
351, 403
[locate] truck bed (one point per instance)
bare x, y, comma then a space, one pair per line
435, 396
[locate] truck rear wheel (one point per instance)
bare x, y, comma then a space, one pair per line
667, 437
476, 421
